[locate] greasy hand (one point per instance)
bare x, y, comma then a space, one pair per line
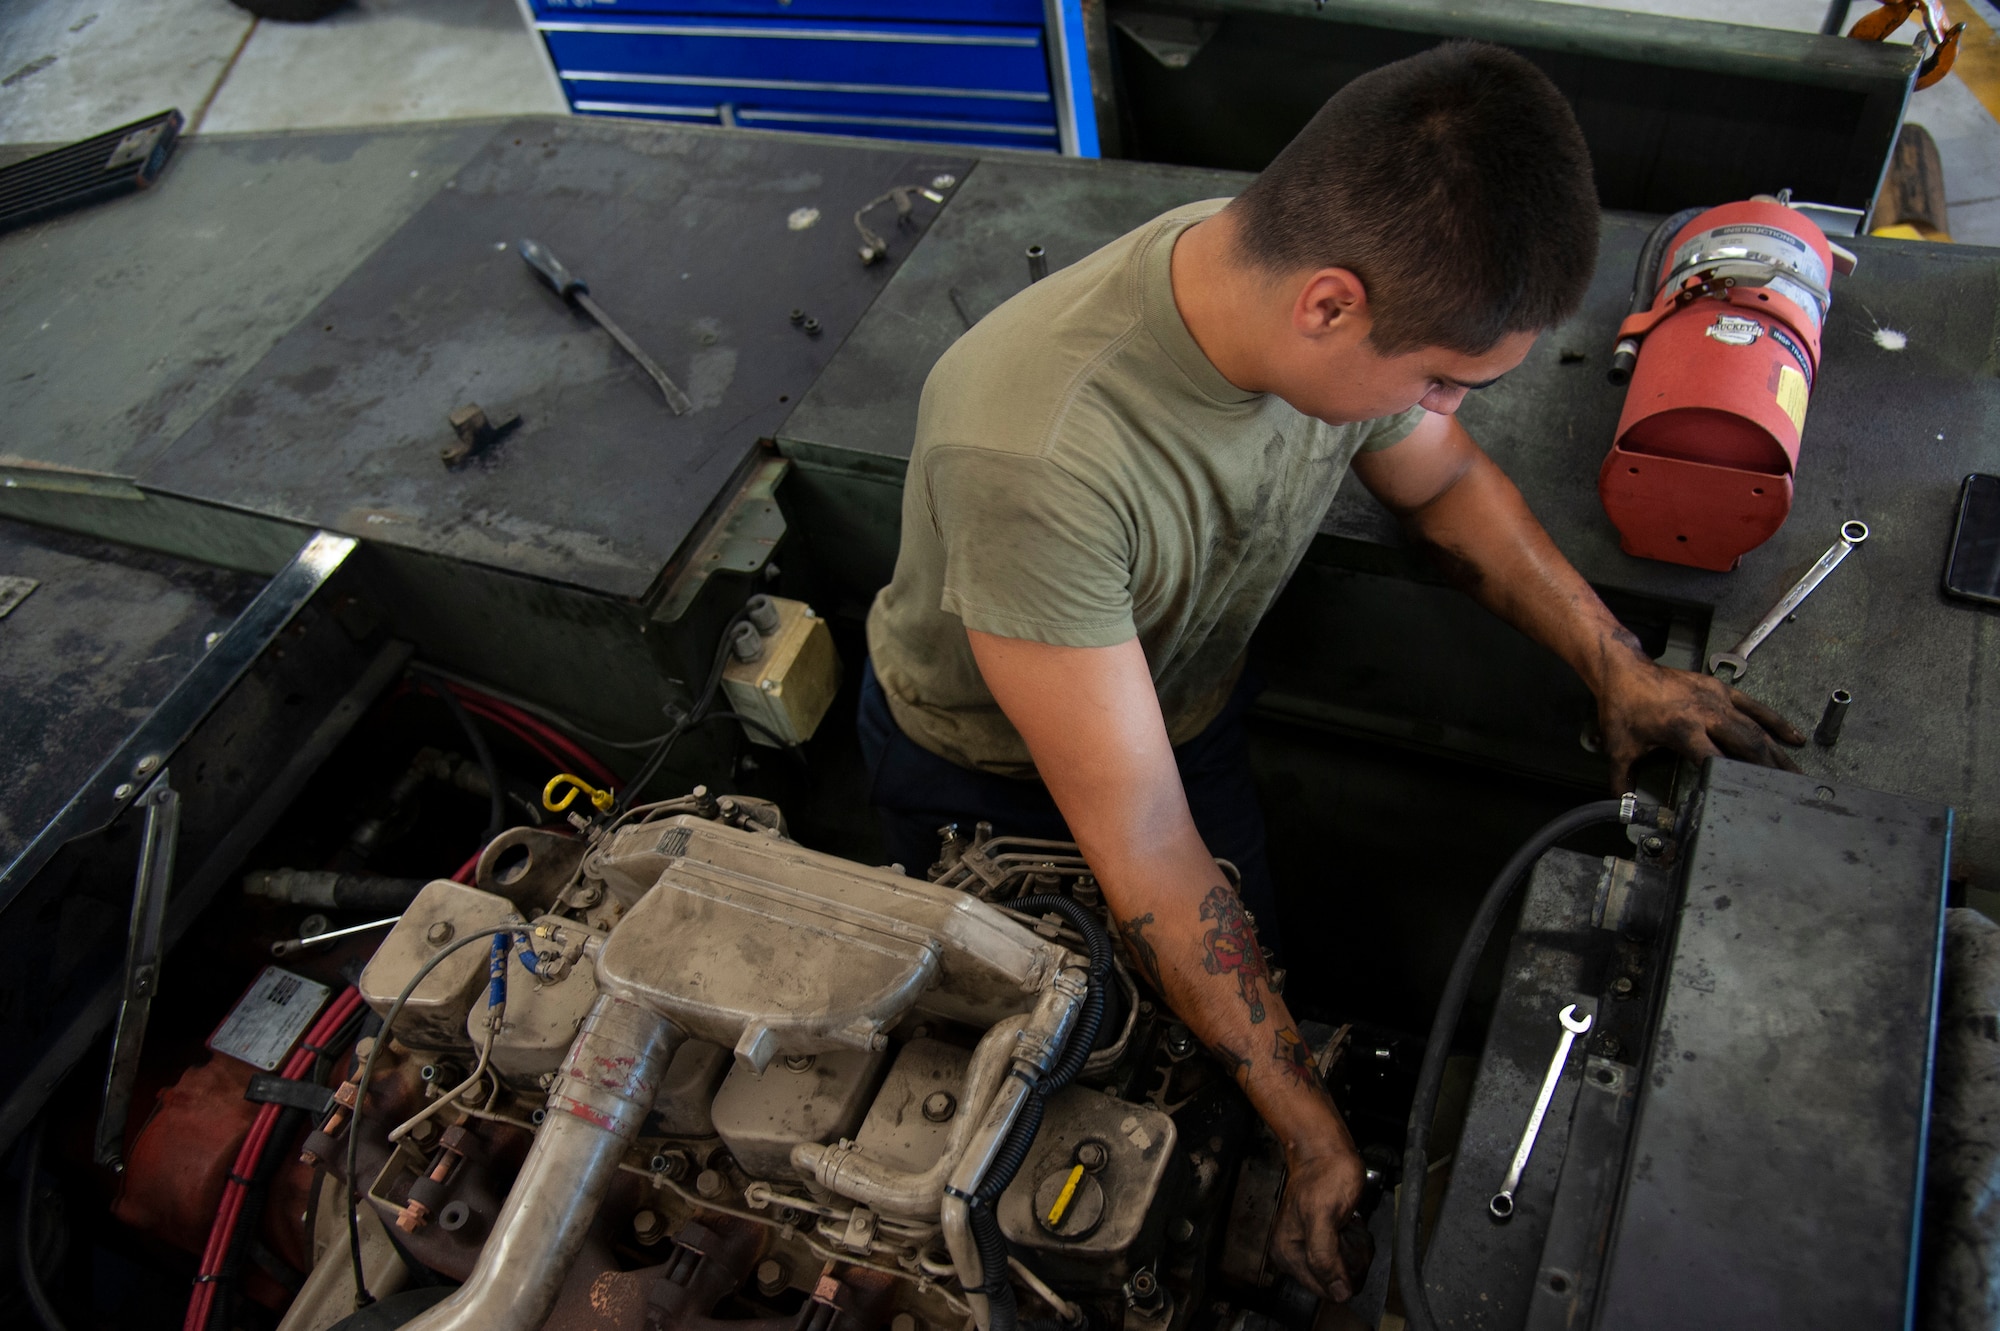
1644, 706
1320, 1193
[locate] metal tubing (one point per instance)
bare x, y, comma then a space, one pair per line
901, 1192
1038, 264
1830, 720
595, 1111
1035, 1049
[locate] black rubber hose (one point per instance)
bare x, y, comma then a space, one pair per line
1645, 282
1002, 1309
496, 821
1416, 1161
24, 1238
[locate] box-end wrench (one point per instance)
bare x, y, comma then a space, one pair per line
1502, 1205
1737, 659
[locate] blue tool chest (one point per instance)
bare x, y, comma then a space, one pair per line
972, 71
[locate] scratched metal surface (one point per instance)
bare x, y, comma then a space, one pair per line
687, 238
1888, 438
866, 401
88, 656
1790, 1078
124, 322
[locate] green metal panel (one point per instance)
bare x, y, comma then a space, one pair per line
1676, 112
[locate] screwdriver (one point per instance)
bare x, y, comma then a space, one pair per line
573, 290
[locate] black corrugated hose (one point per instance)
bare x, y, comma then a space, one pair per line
1645, 282
1003, 1314
1416, 1162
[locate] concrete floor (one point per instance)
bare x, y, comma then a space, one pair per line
70, 68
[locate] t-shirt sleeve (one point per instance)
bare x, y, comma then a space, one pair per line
1029, 550
1387, 431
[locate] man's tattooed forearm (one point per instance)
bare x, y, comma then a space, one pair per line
1230, 948
1237, 1064
1294, 1057
1141, 947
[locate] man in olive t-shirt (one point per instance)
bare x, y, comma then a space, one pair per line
1116, 472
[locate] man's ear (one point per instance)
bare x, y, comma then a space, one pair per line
1330, 298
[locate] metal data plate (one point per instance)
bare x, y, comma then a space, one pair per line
698, 243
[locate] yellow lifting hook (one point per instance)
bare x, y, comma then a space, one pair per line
602, 799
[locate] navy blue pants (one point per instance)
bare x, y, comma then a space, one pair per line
916, 792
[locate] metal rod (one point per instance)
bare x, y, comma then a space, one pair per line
143, 946
1038, 263
1830, 720
291, 945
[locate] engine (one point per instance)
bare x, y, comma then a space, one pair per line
678, 1071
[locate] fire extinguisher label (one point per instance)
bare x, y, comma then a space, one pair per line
1734, 330
1785, 340
1792, 395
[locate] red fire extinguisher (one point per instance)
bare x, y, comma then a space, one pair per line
1721, 350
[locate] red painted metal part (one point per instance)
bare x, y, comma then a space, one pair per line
1701, 469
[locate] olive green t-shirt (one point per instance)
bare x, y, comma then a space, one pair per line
1083, 475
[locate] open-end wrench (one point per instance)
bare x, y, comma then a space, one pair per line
1502, 1205
1737, 659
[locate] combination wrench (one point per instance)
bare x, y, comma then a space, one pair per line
1502, 1205
1737, 659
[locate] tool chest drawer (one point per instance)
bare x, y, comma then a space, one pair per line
817, 69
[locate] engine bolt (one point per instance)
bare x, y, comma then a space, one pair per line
1622, 986
939, 1106
1610, 1046
771, 1278
798, 1062
1092, 1156
1652, 845
709, 1184
439, 933
586, 895
648, 1228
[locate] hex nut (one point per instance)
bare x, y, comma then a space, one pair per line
771, 1277
647, 1227
709, 1184
798, 1062
439, 933
1092, 1155
939, 1106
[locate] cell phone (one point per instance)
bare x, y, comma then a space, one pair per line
1973, 570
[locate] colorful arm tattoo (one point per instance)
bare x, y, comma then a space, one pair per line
1230, 948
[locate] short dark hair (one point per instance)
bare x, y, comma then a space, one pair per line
1455, 184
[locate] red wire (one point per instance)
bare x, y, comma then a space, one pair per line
464, 874
519, 721
224, 1229
548, 755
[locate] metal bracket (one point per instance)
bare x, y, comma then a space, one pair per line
142, 962
740, 540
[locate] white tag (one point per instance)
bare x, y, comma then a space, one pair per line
269, 1020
